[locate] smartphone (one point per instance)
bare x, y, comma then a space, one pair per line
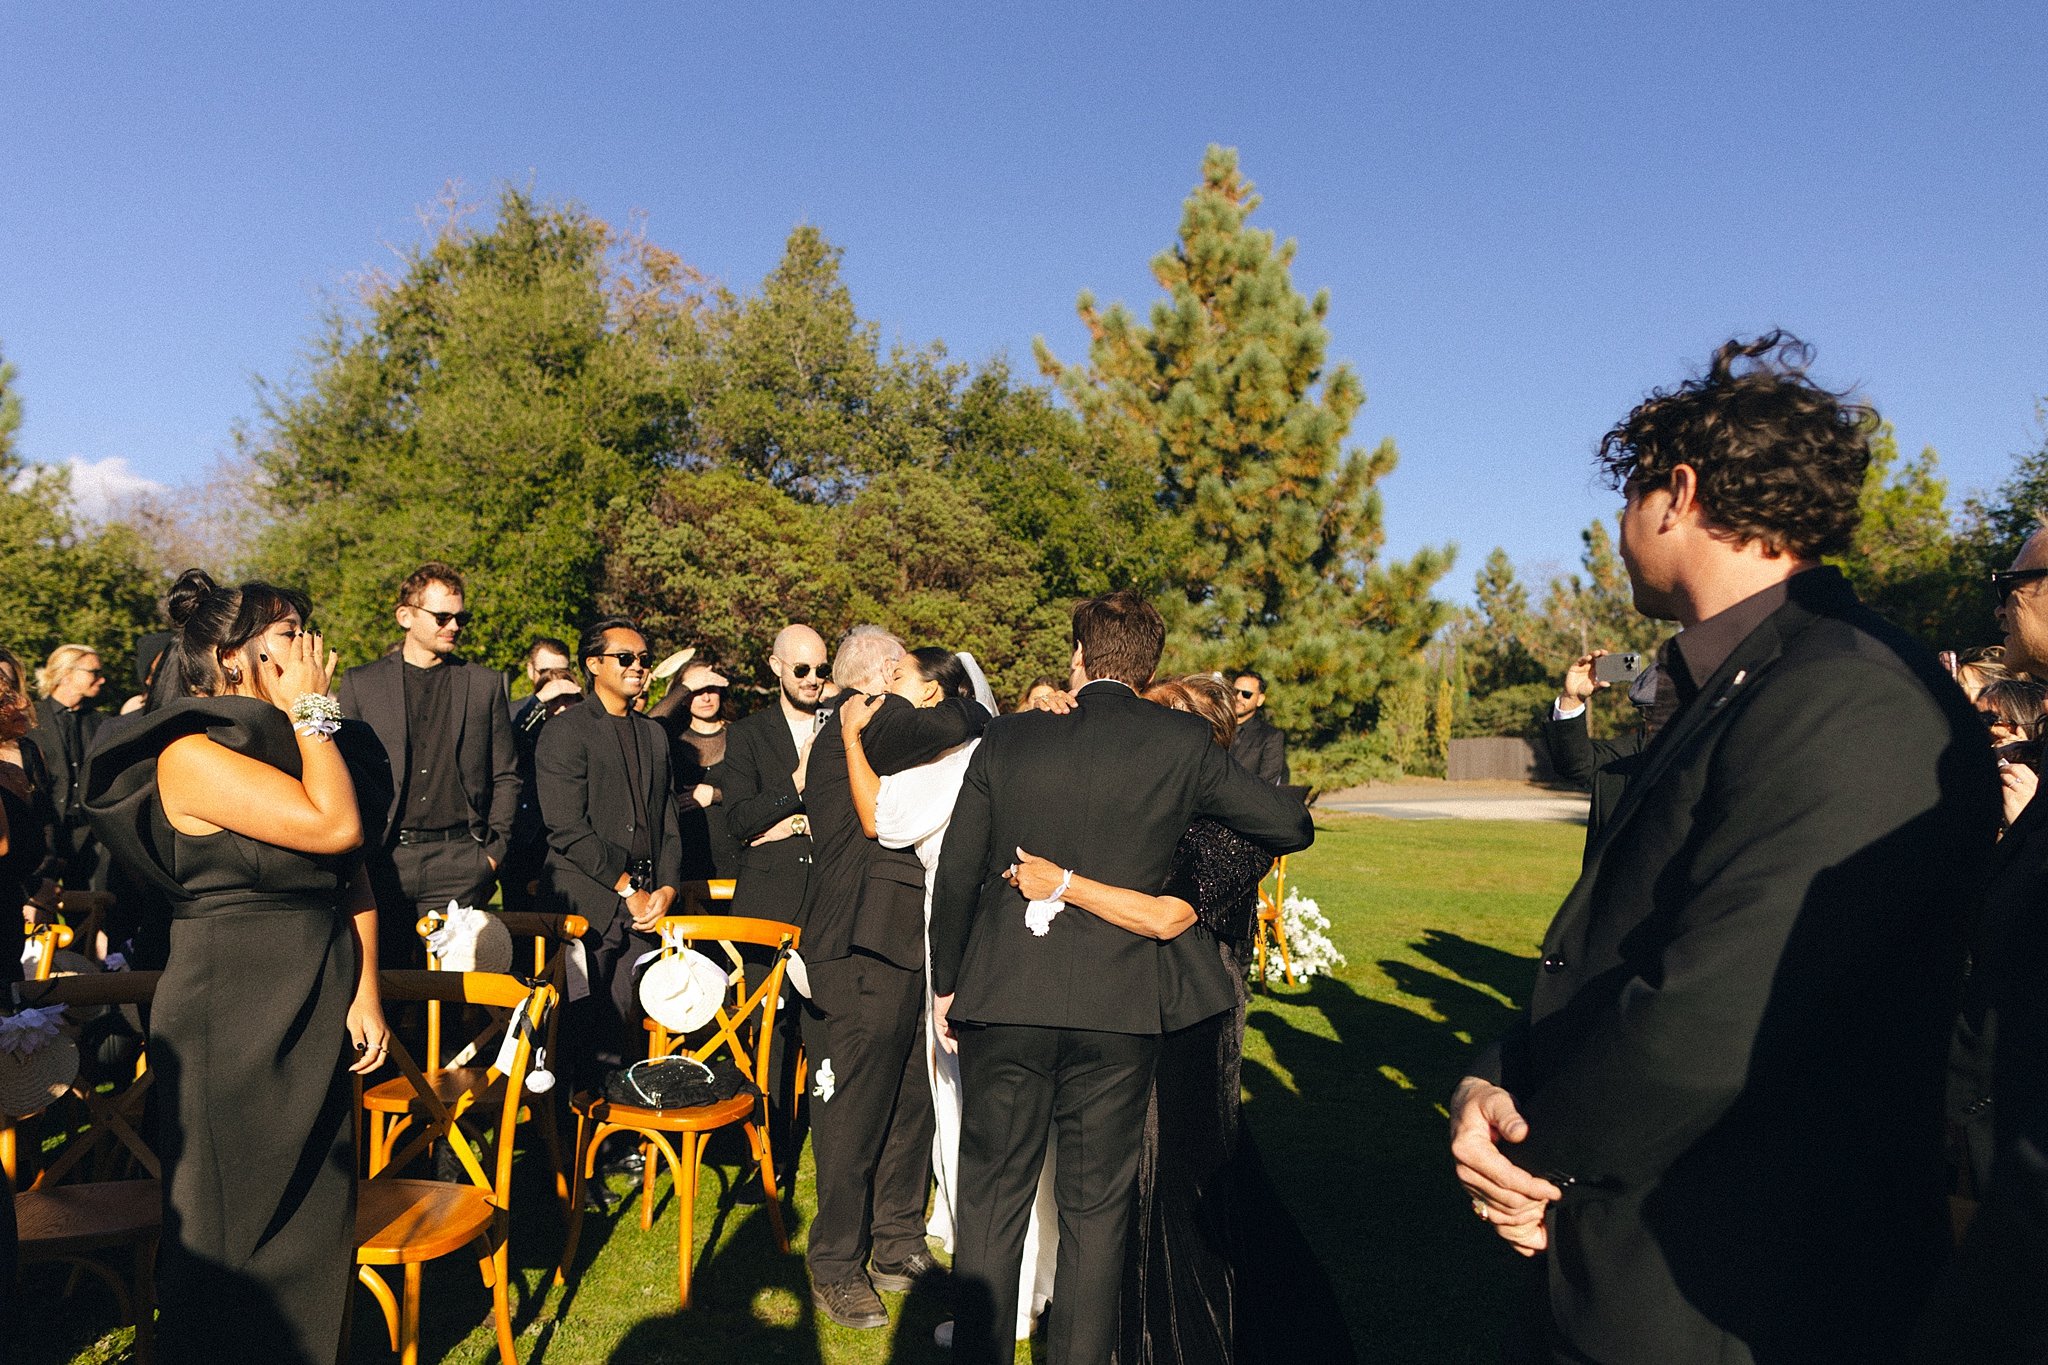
1618, 668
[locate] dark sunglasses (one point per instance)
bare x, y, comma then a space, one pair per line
2005, 582
707, 691
1248, 696
1991, 719
627, 657
442, 618
804, 670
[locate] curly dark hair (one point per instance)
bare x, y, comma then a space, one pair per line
1778, 458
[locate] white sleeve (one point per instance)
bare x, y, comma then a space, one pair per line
916, 804
1557, 711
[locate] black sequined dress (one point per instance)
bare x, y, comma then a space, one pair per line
1206, 1223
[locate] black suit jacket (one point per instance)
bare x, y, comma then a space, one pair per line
587, 802
1734, 1048
1261, 748
64, 775
1602, 766
760, 790
1107, 791
484, 749
1993, 1306
861, 894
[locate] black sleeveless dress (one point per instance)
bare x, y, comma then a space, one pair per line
247, 1042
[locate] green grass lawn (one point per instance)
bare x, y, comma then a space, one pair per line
1344, 1081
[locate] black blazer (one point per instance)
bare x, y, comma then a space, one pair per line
587, 803
1261, 748
64, 777
760, 790
484, 747
1107, 791
1602, 766
861, 894
1733, 1052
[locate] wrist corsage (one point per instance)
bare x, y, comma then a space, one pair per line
1039, 915
315, 714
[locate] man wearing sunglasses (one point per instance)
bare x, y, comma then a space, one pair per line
766, 755
614, 853
1258, 743
447, 729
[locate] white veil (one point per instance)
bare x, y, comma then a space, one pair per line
983, 693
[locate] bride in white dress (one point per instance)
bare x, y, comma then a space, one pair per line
911, 810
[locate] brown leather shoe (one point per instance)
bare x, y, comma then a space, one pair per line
851, 1303
898, 1279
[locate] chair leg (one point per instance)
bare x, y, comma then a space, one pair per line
376, 1143
764, 1156
551, 1135
409, 1317
686, 1207
576, 1186
647, 1185
498, 1262
387, 1302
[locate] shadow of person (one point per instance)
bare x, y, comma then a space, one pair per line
749, 1302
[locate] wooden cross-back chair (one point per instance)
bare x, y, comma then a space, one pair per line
104, 1191
406, 1222
742, 1029
44, 940
1269, 927
87, 913
461, 1080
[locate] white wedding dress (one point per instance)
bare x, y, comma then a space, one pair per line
912, 811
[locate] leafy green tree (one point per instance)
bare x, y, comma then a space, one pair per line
792, 387
68, 581
1227, 394
1908, 562
482, 408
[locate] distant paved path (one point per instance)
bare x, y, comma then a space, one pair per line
1421, 799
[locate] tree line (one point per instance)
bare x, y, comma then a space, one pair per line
585, 424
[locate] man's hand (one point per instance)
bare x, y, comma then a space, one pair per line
942, 1005
557, 687
705, 795
1482, 1117
1579, 686
636, 906
657, 903
775, 833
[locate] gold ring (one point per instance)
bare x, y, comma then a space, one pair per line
1479, 1207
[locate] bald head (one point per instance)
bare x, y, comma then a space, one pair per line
2024, 610
798, 661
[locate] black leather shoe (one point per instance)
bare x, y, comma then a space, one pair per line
851, 1303
897, 1279
628, 1163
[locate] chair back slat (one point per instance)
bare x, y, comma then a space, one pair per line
743, 1025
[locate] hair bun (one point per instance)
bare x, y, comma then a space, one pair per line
193, 587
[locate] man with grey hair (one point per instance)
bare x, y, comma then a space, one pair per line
863, 948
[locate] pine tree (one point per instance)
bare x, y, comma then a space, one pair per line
1228, 394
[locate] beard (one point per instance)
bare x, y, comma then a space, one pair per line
805, 704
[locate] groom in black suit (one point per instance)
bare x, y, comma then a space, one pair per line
1058, 1031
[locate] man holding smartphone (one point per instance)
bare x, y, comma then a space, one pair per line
1603, 766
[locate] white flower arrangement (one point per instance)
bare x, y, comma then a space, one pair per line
1309, 946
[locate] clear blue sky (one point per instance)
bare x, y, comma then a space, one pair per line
1526, 215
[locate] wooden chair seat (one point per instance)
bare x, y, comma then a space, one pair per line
695, 1119
397, 1095
69, 1220
401, 1220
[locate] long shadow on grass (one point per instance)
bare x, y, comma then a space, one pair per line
1356, 1146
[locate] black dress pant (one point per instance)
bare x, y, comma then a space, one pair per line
1089, 1090
871, 1114
602, 1031
430, 875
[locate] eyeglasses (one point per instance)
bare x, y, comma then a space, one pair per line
805, 670
2005, 582
707, 691
627, 658
442, 618
1248, 696
1992, 720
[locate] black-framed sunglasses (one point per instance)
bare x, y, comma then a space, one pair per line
1248, 696
627, 658
716, 690
2005, 582
804, 670
442, 618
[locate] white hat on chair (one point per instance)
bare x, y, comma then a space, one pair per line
682, 991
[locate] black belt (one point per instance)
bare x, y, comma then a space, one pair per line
432, 836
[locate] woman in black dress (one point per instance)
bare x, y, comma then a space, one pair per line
1206, 1222
27, 863
228, 796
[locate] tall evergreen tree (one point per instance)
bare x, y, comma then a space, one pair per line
1228, 394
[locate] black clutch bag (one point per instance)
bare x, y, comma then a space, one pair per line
677, 1083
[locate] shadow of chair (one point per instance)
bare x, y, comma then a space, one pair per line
405, 1222
741, 1029
104, 1190
460, 1082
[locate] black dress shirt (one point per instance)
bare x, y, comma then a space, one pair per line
433, 789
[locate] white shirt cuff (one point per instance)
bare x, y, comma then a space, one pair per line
1557, 711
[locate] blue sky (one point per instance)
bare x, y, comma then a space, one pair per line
1526, 216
